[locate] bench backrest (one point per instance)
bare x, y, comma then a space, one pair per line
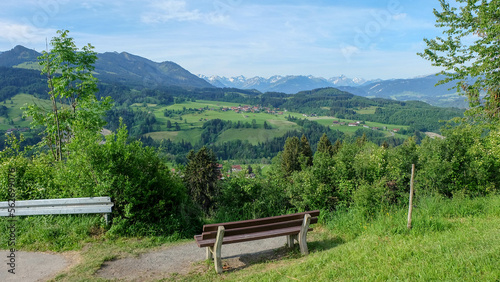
258, 225
58, 206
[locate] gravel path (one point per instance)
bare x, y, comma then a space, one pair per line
32, 266
179, 259
35, 266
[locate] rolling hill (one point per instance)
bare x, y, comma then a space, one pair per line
113, 67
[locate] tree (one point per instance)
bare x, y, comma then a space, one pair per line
201, 177
249, 169
290, 157
72, 87
325, 146
336, 147
305, 151
476, 21
169, 124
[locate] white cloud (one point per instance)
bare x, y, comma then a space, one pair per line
23, 33
164, 11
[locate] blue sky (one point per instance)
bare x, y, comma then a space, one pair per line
369, 39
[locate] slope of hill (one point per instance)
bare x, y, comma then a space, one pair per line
122, 67
131, 69
18, 55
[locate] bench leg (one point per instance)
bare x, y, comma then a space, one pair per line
218, 247
107, 218
303, 234
210, 252
290, 240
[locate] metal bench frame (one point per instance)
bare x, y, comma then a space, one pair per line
101, 205
293, 226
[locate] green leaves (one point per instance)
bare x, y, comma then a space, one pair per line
74, 108
471, 50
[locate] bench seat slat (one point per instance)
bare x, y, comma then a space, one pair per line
58, 210
58, 202
255, 229
259, 221
249, 237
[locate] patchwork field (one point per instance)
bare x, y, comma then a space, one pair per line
190, 117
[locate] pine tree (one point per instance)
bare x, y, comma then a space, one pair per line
336, 147
325, 146
290, 157
201, 177
305, 151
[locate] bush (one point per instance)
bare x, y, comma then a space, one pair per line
148, 199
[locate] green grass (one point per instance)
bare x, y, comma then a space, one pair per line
191, 124
15, 112
278, 122
53, 232
451, 240
253, 136
367, 110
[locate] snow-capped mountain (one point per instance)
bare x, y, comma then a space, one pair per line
288, 84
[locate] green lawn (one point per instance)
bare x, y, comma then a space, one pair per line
451, 240
15, 112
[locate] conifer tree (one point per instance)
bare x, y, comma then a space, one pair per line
201, 177
336, 147
290, 157
324, 145
305, 151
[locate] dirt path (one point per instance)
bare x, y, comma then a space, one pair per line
33, 266
179, 259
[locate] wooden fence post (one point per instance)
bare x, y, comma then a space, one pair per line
410, 208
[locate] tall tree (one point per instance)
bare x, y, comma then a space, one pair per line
290, 157
470, 49
336, 147
72, 88
324, 145
201, 177
306, 151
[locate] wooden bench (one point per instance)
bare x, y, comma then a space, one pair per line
58, 206
293, 226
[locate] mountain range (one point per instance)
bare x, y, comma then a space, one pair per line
289, 84
139, 72
420, 88
118, 67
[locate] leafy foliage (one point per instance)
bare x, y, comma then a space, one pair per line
475, 21
72, 88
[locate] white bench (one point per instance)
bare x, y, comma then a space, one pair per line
101, 205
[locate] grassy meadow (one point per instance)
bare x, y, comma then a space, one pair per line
451, 239
190, 124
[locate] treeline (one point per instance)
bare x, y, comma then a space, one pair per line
365, 176
242, 149
138, 122
14, 81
